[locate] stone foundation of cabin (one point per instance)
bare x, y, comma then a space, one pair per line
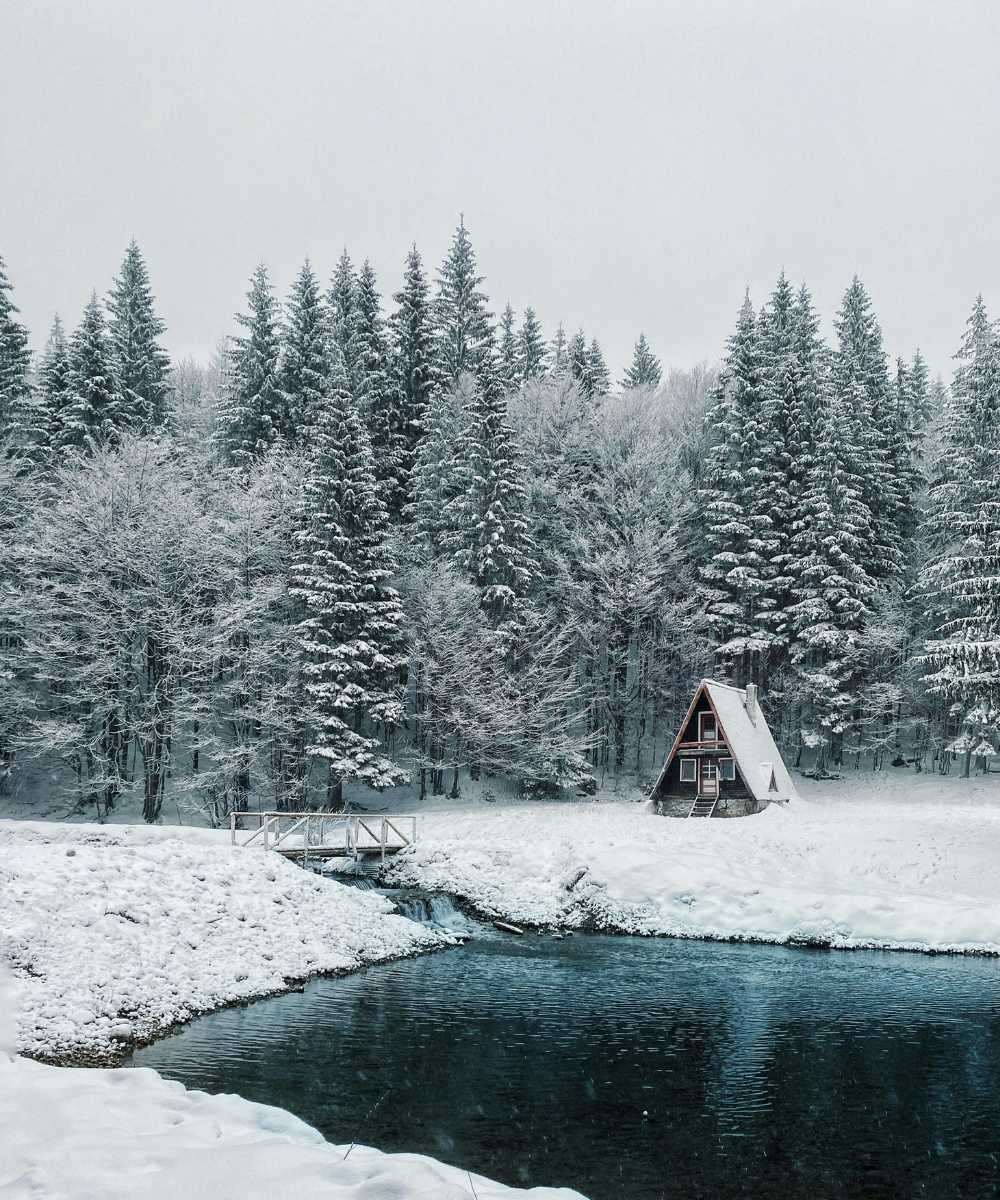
680, 806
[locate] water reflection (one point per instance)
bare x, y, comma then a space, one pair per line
640, 1069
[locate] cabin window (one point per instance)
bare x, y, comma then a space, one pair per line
689, 770
707, 731
727, 768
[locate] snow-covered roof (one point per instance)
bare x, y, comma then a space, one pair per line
756, 755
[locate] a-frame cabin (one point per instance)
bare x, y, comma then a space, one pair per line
723, 761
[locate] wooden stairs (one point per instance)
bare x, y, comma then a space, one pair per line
703, 806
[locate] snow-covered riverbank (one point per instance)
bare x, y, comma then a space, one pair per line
895, 861
79, 1134
119, 932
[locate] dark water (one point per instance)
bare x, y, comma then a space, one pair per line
638, 1068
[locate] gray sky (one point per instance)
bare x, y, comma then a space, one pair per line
621, 166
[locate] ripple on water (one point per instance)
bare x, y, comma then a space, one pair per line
639, 1068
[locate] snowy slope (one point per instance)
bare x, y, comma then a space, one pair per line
894, 861
121, 932
87, 1134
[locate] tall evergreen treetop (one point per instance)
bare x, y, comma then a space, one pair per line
342, 301
350, 629
412, 354
141, 364
15, 359
598, 375
532, 352
463, 324
645, 371
52, 394
254, 411
93, 410
305, 364
508, 364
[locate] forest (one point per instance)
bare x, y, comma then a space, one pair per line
379, 542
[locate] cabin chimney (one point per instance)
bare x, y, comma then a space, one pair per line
751, 703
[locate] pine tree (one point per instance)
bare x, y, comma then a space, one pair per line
342, 304
304, 358
437, 479
738, 529
377, 397
921, 399
15, 361
463, 324
350, 629
962, 574
833, 592
578, 362
52, 395
93, 411
532, 352
412, 358
508, 362
559, 357
141, 364
598, 375
253, 411
489, 535
645, 371
861, 380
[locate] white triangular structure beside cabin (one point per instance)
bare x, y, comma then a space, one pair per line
746, 732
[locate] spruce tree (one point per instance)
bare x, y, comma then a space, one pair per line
463, 324
578, 361
861, 380
342, 304
349, 633
832, 591
377, 396
93, 411
962, 575
15, 362
738, 531
489, 529
52, 394
437, 478
253, 412
645, 371
559, 357
532, 353
412, 358
598, 375
141, 364
508, 364
305, 363
921, 399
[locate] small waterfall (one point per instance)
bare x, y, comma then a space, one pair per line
432, 909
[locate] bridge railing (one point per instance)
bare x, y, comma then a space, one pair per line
347, 834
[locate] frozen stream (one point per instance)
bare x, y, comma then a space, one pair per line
634, 1069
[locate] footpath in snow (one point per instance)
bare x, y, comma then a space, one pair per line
121, 931
894, 861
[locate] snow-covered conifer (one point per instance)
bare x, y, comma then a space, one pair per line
304, 357
142, 367
532, 352
15, 361
93, 410
378, 396
509, 370
463, 324
342, 305
252, 415
412, 357
350, 629
598, 375
645, 371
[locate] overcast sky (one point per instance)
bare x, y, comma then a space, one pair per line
621, 166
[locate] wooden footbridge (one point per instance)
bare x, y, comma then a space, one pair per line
361, 836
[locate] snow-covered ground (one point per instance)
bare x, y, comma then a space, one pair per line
90, 1134
119, 932
889, 860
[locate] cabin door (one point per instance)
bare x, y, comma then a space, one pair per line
708, 783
